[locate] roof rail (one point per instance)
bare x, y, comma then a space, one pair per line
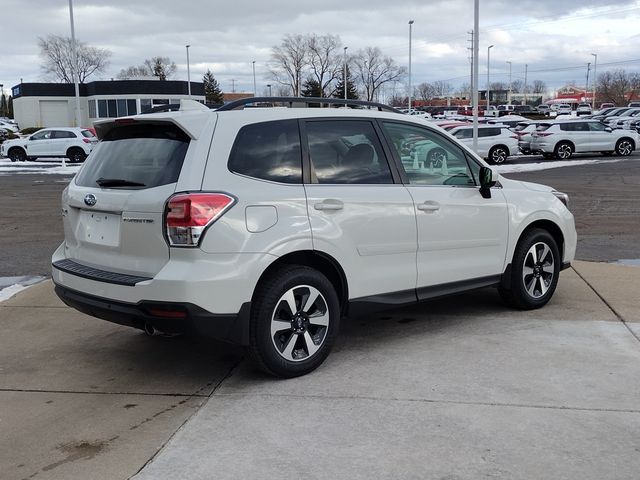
308, 101
174, 107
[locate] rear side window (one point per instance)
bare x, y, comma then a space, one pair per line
574, 127
87, 134
542, 127
138, 156
63, 134
268, 151
488, 132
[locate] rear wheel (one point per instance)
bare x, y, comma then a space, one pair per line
498, 154
563, 151
76, 155
624, 147
17, 155
534, 271
295, 319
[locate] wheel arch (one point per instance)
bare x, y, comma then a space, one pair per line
324, 263
573, 146
627, 138
554, 230
16, 147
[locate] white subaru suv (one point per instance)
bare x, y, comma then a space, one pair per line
266, 226
70, 142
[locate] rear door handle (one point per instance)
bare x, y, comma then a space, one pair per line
329, 204
429, 207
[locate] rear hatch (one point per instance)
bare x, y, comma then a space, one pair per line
113, 209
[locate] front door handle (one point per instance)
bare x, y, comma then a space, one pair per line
329, 204
429, 207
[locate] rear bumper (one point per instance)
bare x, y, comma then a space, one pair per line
170, 317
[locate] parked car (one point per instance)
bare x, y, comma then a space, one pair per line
634, 104
3, 135
616, 121
70, 142
583, 109
495, 142
607, 105
524, 130
509, 120
9, 126
543, 109
255, 226
563, 138
563, 109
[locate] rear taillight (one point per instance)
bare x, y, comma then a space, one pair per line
188, 215
86, 140
543, 134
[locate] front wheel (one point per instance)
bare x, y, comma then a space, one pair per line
534, 271
498, 155
295, 319
17, 155
624, 147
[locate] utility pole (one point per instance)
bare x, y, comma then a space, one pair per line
255, 91
526, 67
188, 73
474, 86
344, 75
74, 70
471, 64
595, 81
509, 99
410, 25
233, 85
488, 70
586, 88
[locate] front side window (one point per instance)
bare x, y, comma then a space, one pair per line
464, 133
429, 158
41, 135
136, 156
597, 127
346, 152
268, 151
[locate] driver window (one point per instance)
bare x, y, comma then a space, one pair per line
429, 158
42, 135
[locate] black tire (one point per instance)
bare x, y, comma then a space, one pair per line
76, 155
624, 147
607, 154
17, 154
436, 157
533, 288
548, 156
498, 154
286, 352
563, 151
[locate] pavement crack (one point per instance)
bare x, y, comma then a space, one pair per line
618, 316
87, 392
436, 401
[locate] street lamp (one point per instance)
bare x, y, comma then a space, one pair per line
595, 79
254, 78
188, 73
410, 25
74, 68
488, 67
344, 78
509, 102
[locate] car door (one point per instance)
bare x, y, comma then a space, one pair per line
39, 143
61, 141
462, 237
360, 213
602, 140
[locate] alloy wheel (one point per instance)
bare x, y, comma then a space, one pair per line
538, 270
299, 323
564, 151
624, 148
499, 155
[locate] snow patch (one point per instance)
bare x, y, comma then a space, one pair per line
548, 164
634, 262
9, 286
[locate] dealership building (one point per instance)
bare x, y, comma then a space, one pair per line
54, 104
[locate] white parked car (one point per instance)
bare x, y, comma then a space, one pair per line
266, 226
495, 142
563, 138
9, 126
563, 109
524, 131
583, 109
70, 142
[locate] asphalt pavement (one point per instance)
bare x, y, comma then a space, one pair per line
460, 388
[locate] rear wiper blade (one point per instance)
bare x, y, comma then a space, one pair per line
118, 182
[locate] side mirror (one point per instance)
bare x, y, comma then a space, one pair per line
486, 182
608, 129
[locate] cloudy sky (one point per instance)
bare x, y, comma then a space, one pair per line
554, 37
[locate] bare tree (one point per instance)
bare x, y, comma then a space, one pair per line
613, 86
325, 61
288, 61
374, 70
517, 86
161, 67
539, 86
442, 88
497, 86
464, 90
57, 56
424, 91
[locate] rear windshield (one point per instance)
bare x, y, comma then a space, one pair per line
136, 156
542, 127
87, 133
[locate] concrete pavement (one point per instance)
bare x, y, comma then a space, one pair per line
460, 388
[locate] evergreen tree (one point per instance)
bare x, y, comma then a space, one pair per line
352, 91
212, 91
311, 88
10, 107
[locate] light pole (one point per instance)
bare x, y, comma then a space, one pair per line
269, 87
474, 86
586, 88
595, 80
488, 67
344, 77
188, 74
74, 67
254, 78
509, 101
410, 25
